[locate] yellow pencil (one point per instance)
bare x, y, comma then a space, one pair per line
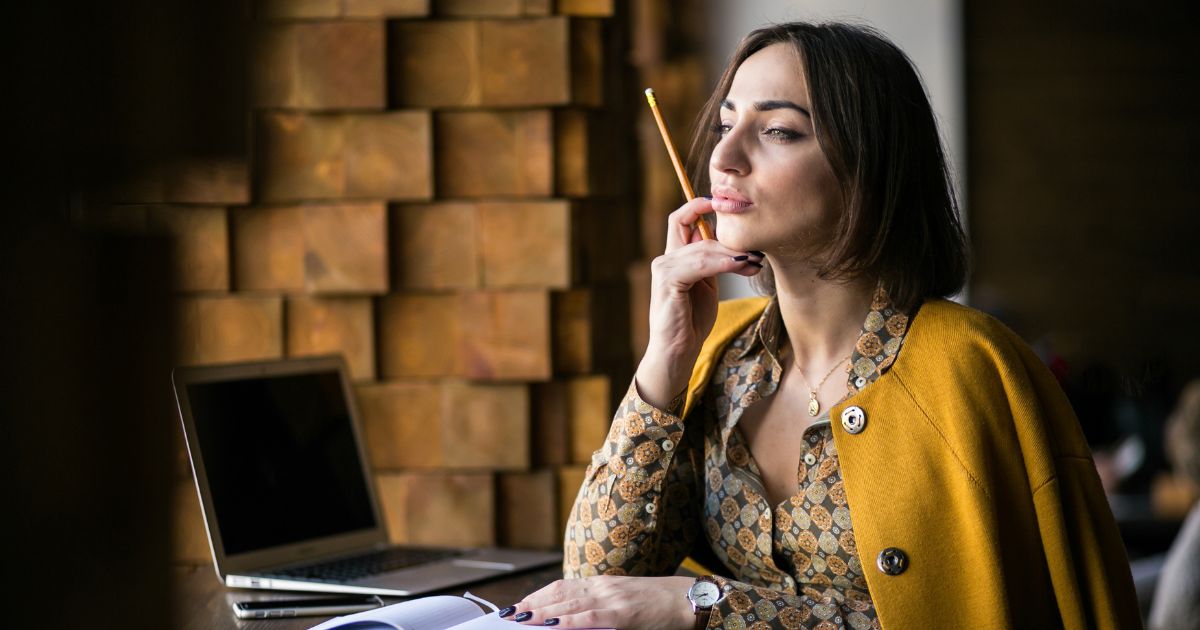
705, 231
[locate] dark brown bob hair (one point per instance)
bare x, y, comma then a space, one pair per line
875, 125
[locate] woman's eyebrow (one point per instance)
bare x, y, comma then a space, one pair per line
765, 106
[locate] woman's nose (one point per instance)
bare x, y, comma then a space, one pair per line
729, 156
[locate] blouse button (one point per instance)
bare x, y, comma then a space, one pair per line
651, 508
667, 445
810, 459
854, 420
892, 561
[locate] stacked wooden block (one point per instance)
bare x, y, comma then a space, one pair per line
430, 193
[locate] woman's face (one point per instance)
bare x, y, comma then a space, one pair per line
773, 190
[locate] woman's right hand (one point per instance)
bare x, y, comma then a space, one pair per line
683, 301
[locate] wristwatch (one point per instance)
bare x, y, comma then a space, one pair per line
704, 594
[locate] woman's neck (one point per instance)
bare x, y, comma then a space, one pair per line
823, 318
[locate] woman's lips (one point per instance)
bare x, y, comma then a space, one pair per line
730, 204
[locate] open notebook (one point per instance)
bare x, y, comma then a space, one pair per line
441, 612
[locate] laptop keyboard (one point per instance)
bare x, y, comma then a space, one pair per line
355, 567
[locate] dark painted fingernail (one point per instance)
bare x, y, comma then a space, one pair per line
523, 616
504, 612
759, 265
553, 621
741, 258
708, 197
759, 254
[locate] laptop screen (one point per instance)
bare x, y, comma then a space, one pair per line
281, 459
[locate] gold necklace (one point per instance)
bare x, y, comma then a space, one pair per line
814, 407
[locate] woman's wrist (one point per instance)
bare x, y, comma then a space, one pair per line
670, 403
662, 377
686, 619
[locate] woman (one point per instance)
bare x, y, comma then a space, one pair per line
853, 451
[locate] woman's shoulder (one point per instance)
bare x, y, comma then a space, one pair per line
947, 340
943, 325
958, 362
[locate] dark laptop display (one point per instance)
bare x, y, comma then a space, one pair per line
286, 491
281, 459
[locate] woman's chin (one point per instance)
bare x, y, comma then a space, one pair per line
734, 239
733, 233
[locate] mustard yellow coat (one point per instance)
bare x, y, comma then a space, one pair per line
971, 462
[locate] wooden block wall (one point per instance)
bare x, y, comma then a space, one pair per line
577, 412
506, 335
271, 10
429, 424
438, 508
201, 236
438, 190
495, 153
226, 328
195, 181
320, 65
317, 326
190, 541
493, 62
314, 248
528, 517
383, 155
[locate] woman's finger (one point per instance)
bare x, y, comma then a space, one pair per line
750, 267
605, 602
539, 614
596, 618
681, 222
686, 266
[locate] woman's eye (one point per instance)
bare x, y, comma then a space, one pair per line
780, 134
721, 128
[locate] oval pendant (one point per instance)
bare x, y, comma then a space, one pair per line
814, 407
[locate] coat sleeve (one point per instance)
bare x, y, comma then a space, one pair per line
636, 511
759, 607
1086, 557
1088, 565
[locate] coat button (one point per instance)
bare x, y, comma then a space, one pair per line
810, 459
854, 420
892, 561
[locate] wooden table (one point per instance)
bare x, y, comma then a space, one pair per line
203, 603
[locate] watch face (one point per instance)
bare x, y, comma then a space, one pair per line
704, 594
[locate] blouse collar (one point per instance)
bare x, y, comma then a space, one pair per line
878, 344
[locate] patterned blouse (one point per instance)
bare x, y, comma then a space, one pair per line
653, 490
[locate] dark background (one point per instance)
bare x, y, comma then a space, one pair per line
94, 92
1083, 189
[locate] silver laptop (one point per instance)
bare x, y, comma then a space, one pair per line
277, 452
